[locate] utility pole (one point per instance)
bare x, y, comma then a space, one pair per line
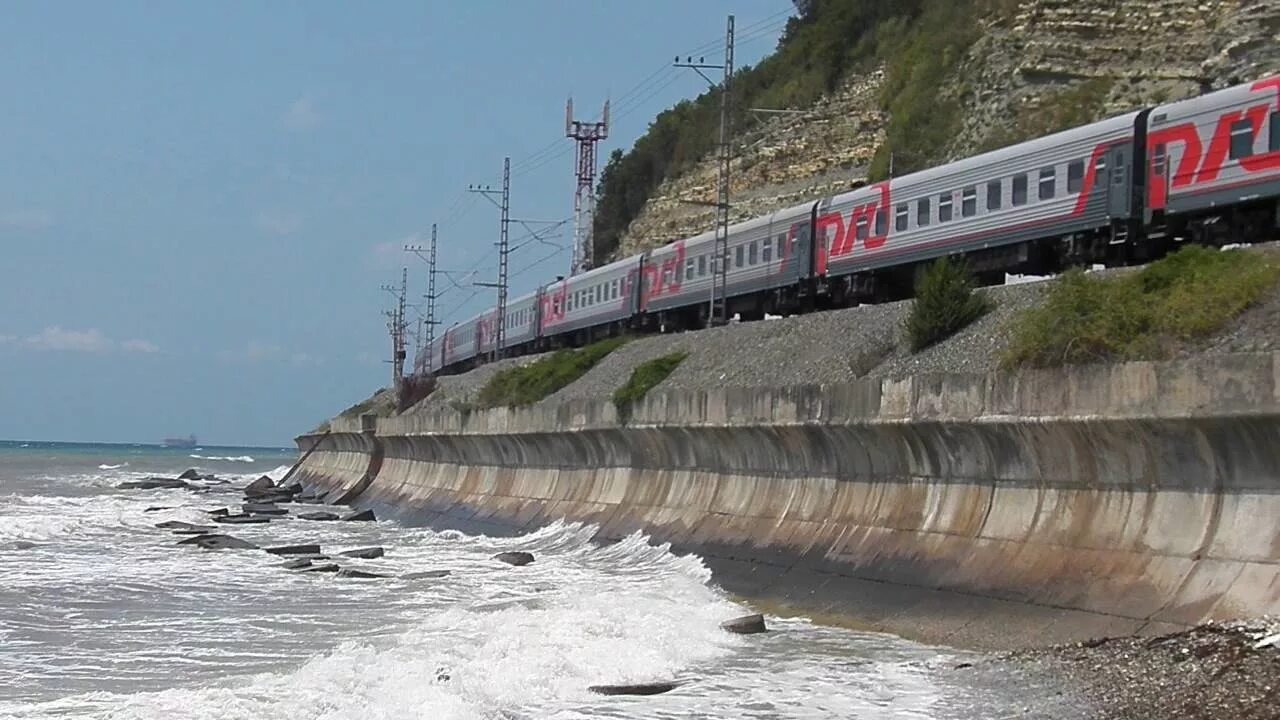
587, 135
397, 326
718, 308
504, 249
430, 297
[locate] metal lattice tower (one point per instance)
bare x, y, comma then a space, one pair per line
427, 364
431, 303
587, 135
397, 326
504, 249
718, 307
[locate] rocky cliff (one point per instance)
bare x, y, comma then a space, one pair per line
1034, 67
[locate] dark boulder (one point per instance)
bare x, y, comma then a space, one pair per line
310, 556
176, 525
299, 564
514, 558
263, 509
745, 625
362, 516
654, 688
219, 542
323, 568
154, 483
243, 519
23, 545
158, 508
185, 528
294, 550
425, 575
189, 474
368, 553
361, 574
261, 486
218, 512
317, 516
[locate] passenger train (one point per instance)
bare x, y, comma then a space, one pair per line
1117, 191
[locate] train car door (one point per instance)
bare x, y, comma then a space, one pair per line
1118, 171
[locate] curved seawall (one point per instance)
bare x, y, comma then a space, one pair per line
999, 510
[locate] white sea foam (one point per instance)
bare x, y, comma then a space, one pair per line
105, 466
224, 458
229, 636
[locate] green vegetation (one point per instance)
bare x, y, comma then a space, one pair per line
945, 303
645, 377
527, 384
1066, 108
1141, 315
381, 403
920, 42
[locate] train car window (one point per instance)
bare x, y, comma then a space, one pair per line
753, 253
922, 212
944, 207
861, 228
688, 269
737, 256
882, 221
969, 201
1020, 189
1075, 176
678, 273
702, 266
1241, 139
1048, 183
900, 217
766, 250
1274, 145
993, 194
781, 242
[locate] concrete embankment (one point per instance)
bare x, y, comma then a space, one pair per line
983, 510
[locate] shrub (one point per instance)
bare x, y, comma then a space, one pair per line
527, 384
945, 303
1143, 315
645, 377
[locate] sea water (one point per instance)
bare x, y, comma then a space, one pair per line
102, 615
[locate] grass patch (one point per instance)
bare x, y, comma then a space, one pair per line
382, 403
527, 384
645, 377
1144, 315
945, 303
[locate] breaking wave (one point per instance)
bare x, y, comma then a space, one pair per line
224, 458
105, 466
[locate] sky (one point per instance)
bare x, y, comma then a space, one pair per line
201, 202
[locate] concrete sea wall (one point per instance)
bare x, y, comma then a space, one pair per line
994, 510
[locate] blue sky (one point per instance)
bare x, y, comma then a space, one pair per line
199, 201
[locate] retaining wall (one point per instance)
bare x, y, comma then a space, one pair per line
999, 510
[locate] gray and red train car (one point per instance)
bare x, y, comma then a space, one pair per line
1121, 190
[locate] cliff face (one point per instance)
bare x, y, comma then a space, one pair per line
1036, 66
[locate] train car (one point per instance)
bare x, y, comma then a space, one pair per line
1213, 169
1074, 188
431, 358
766, 260
461, 342
521, 325
595, 303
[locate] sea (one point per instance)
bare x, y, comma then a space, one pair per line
103, 615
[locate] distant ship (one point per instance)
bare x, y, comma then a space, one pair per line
186, 442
